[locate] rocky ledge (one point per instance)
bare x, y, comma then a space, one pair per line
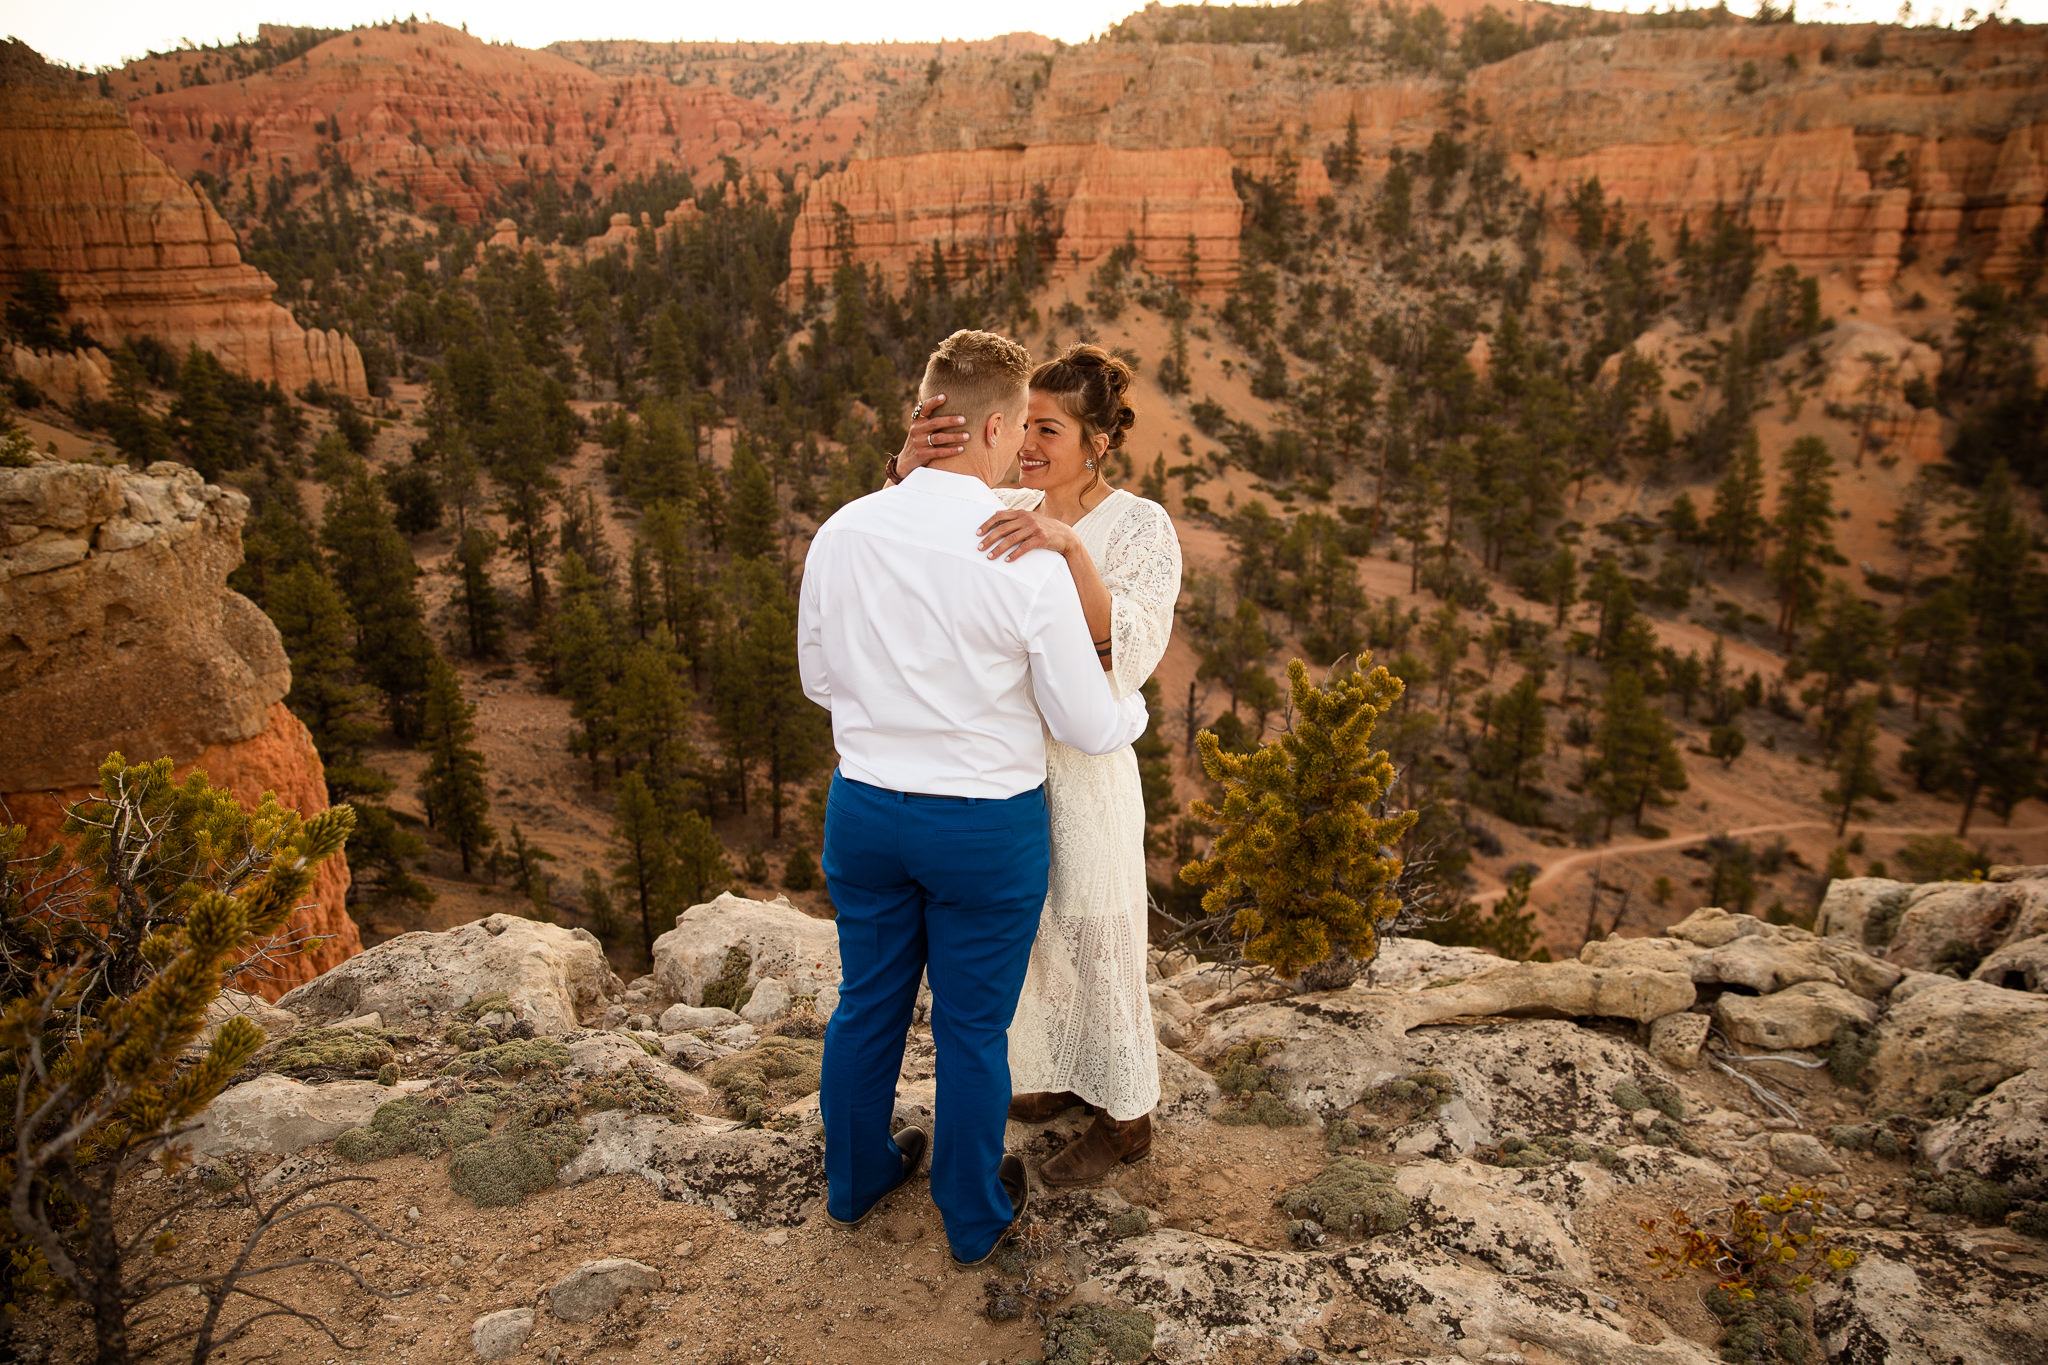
1445, 1161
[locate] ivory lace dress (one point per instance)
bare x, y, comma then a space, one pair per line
1084, 1020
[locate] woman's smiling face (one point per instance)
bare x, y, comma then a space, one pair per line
1054, 455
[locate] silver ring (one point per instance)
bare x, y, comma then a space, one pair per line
917, 413
931, 441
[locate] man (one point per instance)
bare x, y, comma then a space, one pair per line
937, 664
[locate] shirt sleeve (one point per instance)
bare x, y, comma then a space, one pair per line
1067, 679
1141, 568
810, 631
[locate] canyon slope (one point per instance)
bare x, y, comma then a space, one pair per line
134, 249
1841, 145
118, 632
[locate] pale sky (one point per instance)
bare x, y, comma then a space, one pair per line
104, 32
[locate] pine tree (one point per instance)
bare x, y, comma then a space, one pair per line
476, 598
1847, 649
645, 868
795, 736
1855, 763
1736, 524
452, 787
1991, 751
528, 482
1155, 771
701, 864
583, 646
1994, 559
1512, 752
1804, 527
650, 716
1638, 760
1299, 867
671, 539
374, 567
754, 510
338, 711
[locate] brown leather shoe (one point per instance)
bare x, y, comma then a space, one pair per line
1043, 1106
1088, 1158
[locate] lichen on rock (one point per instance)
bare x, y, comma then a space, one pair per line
424, 1125
332, 1051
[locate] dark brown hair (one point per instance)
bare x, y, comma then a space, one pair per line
1090, 384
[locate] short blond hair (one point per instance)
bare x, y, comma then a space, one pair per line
980, 373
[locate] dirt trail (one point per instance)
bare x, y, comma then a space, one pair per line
1558, 868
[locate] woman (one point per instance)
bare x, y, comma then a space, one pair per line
1083, 1029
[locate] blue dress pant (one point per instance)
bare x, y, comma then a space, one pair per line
951, 888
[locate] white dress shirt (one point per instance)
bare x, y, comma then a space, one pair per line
937, 662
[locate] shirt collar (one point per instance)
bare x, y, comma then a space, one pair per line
946, 484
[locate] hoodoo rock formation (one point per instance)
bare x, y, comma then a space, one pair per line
431, 113
135, 250
1930, 144
118, 631
1933, 144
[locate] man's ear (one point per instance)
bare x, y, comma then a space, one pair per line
993, 428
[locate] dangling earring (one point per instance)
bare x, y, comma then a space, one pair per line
1091, 464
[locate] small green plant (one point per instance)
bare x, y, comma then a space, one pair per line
1129, 1223
1352, 1198
731, 990
1951, 1099
1659, 1095
2029, 1218
1963, 1194
499, 1171
1250, 1088
1414, 1095
1891, 1136
1091, 1332
1520, 1153
1849, 1053
749, 1078
516, 1058
332, 1052
425, 1125
635, 1088
490, 1002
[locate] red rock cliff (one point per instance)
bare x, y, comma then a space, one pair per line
442, 118
135, 249
1937, 147
118, 631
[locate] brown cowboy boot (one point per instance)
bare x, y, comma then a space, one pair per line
1043, 1106
1088, 1158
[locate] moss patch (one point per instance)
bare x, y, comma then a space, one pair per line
1520, 1153
1251, 1088
519, 1057
775, 1066
1416, 1095
341, 1051
1768, 1329
2029, 1218
1886, 911
1129, 1223
1850, 1053
1351, 1198
490, 1002
636, 1088
1892, 1136
731, 991
1951, 1100
1091, 1332
502, 1170
1959, 1192
1658, 1095
427, 1125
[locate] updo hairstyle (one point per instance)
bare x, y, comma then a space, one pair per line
1090, 384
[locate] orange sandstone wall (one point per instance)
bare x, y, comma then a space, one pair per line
279, 758
118, 632
135, 249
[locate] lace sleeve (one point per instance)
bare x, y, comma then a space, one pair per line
1026, 498
1141, 569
